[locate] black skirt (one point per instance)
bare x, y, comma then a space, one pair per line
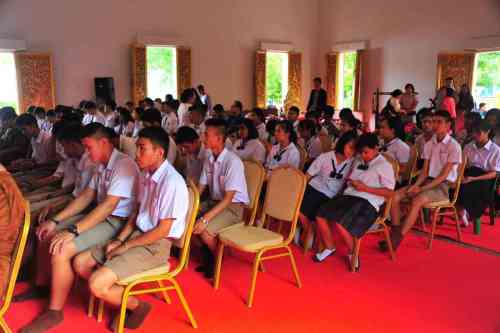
313, 200
355, 214
475, 196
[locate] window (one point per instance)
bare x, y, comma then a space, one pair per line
486, 87
8, 80
276, 78
346, 79
161, 71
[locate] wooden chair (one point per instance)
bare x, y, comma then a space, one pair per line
15, 266
380, 226
447, 207
492, 210
412, 170
255, 174
160, 274
285, 190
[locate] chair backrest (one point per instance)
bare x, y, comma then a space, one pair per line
185, 241
388, 202
460, 175
411, 168
284, 193
255, 175
17, 256
303, 156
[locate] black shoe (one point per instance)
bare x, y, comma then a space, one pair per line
209, 272
201, 268
382, 245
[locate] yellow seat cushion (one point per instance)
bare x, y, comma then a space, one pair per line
436, 204
163, 269
249, 238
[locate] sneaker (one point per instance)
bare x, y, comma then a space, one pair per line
321, 256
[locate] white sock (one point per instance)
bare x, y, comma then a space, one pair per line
465, 218
325, 253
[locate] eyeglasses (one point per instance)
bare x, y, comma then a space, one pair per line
334, 173
278, 156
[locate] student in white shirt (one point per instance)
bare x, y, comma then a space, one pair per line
197, 117
371, 182
249, 145
49, 121
125, 124
309, 139
293, 116
391, 131
224, 175
205, 98
188, 98
169, 121
483, 164
191, 147
326, 178
137, 116
66, 234
158, 218
92, 115
258, 118
442, 155
284, 153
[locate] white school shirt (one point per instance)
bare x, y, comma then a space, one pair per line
487, 157
313, 147
398, 150
290, 155
85, 171
66, 170
42, 147
46, 126
110, 119
183, 113
126, 130
379, 174
137, 128
261, 129
194, 164
162, 195
226, 173
252, 149
117, 178
169, 122
321, 170
94, 118
440, 153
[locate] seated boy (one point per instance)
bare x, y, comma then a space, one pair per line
67, 233
191, 146
158, 218
224, 175
442, 155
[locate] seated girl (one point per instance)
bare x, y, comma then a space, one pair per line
483, 163
248, 146
309, 139
326, 178
284, 153
391, 132
371, 182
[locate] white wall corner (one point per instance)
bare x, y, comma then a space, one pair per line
349, 46
271, 46
11, 45
483, 43
158, 40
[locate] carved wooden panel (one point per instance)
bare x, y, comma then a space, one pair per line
183, 69
331, 77
139, 73
459, 66
294, 96
260, 79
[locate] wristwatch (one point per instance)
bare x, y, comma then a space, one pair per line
54, 220
73, 229
204, 220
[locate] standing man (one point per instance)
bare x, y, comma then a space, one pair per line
317, 99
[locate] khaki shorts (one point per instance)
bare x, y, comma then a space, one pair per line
136, 260
230, 216
99, 234
438, 193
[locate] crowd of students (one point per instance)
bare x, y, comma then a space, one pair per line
108, 193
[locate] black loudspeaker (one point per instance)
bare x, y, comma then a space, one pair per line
104, 89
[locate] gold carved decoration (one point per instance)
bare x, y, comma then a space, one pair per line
35, 80
260, 79
357, 80
139, 73
294, 80
183, 69
331, 77
459, 66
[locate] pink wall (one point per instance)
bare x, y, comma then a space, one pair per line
91, 38
405, 36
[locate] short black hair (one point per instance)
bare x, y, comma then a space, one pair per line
98, 131
260, 114
90, 105
238, 104
186, 134
396, 93
70, 133
252, 130
158, 137
345, 113
218, 108
149, 102
482, 126
308, 125
425, 113
201, 109
39, 111
51, 113
396, 124
294, 109
151, 116
411, 86
111, 104
450, 92
344, 140
125, 115
352, 121
369, 140
7, 113
187, 94
288, 128
220, 124
328, 111
443, 114
26, 119
317, 79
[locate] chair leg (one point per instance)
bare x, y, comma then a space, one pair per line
261, 267
493, 213
220, 253
253, 281
389, 243
100, 310
433, 227
457, 221
3, 325
90, 311
355, 253
164, 293
184, 303
294, 267
123, 310
421, 216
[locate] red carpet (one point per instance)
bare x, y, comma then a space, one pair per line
448, 289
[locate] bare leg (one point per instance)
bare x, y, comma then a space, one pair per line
84, 264
62, 276
209, 240
416, 205
324, 233
396, 206
347, 237
103, 285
